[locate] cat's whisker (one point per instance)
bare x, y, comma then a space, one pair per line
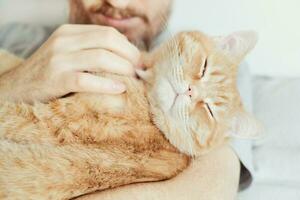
186, 115
182, 112
186, 112
178, 76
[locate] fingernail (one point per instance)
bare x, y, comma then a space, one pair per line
141, 65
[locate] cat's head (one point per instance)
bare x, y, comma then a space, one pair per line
192, 89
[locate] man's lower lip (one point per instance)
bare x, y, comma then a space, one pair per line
118, 23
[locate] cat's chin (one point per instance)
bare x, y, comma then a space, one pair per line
178, 136
170, 127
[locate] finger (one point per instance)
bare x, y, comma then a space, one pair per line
70, 29
94, 60
85, 82
145, 61
108, 39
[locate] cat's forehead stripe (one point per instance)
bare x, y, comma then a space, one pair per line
201, 40
193, 43
191, 47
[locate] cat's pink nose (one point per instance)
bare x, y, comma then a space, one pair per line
189, 92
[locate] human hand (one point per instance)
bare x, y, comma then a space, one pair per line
62, 64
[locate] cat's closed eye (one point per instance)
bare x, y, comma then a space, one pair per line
209, 110
202, 104
204, 68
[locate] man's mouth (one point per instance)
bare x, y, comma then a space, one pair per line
119, 22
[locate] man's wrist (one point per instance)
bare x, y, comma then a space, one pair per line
8, 61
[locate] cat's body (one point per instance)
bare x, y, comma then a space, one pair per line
87, 142
79, 144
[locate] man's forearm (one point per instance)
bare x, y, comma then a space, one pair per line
8, 61
14, 89
214, 176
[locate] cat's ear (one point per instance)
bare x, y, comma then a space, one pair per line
237, 44
245, 125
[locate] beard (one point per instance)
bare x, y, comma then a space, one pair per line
141, 37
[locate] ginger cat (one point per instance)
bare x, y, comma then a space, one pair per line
87, 142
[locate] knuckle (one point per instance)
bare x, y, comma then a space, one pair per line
100, 54
112, 30
55, 61
78, 81
111, 33
63, 28
61, 43
68, 83
57, 42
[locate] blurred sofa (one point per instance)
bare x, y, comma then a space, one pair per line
276, 102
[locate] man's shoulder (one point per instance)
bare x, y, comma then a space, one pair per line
23, 39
